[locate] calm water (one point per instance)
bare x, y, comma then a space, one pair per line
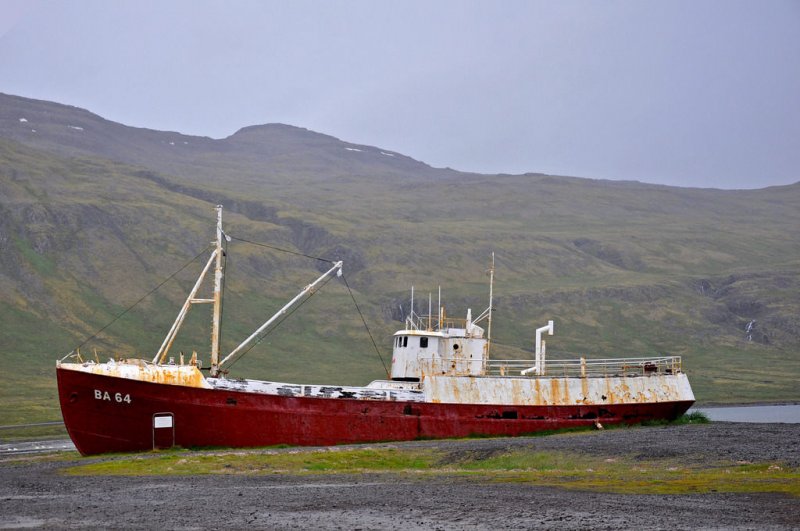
784, 413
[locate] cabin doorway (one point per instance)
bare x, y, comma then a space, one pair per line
163, 431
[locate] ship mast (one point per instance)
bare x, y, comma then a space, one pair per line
491, 303
192, 299
217, 296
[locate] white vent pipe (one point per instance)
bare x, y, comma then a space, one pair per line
538, 367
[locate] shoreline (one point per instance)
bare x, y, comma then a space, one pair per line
745, 404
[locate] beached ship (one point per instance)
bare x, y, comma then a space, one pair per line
442, 384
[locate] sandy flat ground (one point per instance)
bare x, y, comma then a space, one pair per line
34, 493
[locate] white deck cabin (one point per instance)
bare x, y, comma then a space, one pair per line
445, 347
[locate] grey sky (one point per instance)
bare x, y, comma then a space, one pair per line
696, 93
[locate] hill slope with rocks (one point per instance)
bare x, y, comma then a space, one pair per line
94, 214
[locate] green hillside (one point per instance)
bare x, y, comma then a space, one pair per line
94, 214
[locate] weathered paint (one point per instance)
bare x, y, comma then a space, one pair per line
448, 351
112, 409
546, 391
133, 369
391, 394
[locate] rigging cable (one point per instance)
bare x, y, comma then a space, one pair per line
201, 253
365, 326
282, 250
363, 320
260, 339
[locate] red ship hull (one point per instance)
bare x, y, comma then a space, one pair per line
108, 414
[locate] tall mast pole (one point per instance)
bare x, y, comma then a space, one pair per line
412, 307
491, 305
430, 315
439, 325
217, 297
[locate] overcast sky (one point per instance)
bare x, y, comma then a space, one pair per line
694, 93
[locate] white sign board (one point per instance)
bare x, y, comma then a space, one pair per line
163, 421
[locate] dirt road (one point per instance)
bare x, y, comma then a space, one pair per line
34, 493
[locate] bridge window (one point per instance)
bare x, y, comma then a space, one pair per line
423, 342
405, 341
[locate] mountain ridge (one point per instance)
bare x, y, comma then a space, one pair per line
74, 131
12, 108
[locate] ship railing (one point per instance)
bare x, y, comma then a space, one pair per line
580, 367
583, 367
432, 322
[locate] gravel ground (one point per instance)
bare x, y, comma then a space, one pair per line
34, 494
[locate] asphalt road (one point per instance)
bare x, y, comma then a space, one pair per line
35, 447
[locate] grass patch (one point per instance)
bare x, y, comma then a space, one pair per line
332, 461
624, 475
32, 433
656, 477
695, 417
55, 457
43, 264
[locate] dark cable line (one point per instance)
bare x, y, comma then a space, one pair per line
358, 309
268, 332
224, 279
282, 250
365, 326
201, 253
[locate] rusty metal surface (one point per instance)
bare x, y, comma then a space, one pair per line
447, 389
459, 351
557, 391
588, 367
108, 414
133, 369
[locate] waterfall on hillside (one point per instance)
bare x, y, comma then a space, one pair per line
749, 330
